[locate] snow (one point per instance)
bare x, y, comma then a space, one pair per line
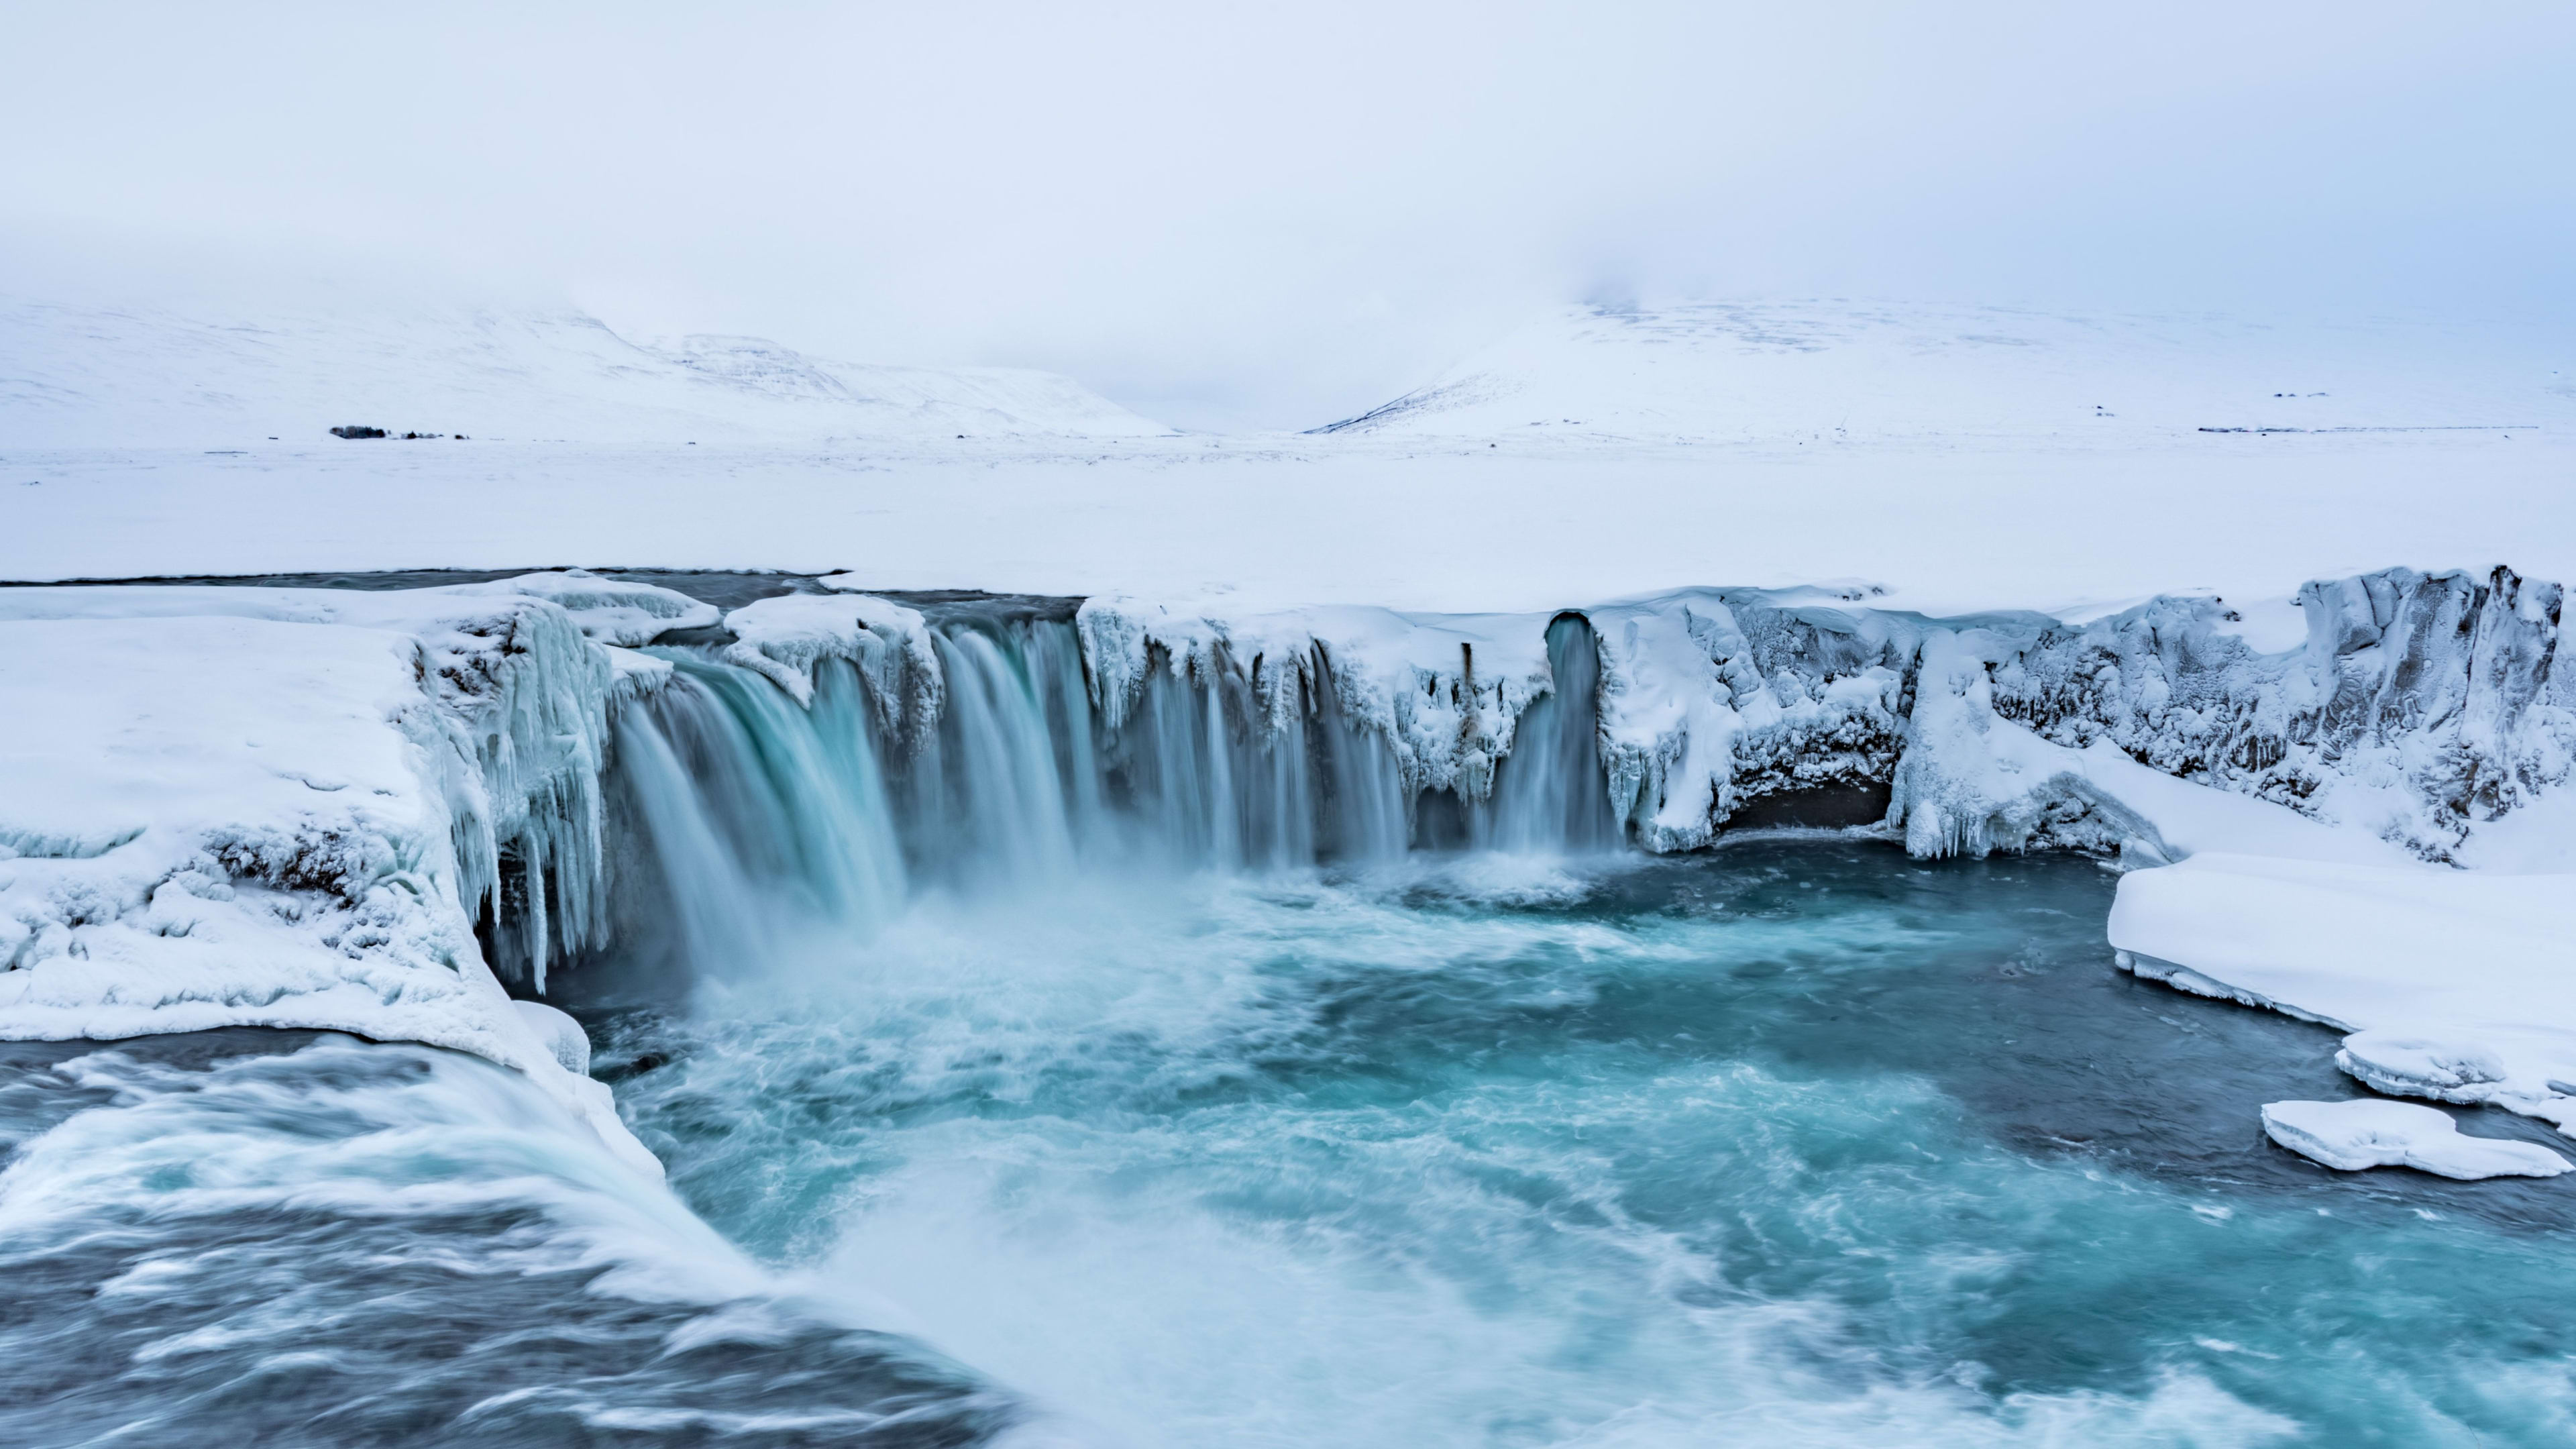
80, 376
1952, 515
283, 807
2355, 1135
1875, 371
2075, 618
784, 637
2455, 984
562, 1035
2402, 1064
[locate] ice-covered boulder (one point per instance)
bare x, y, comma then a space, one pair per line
2366, 1133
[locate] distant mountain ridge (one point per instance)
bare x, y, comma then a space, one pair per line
74, 376
1854, 371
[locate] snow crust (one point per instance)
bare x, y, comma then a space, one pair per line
2356, 1135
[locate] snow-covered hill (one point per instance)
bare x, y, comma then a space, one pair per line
82, 376
1854, 372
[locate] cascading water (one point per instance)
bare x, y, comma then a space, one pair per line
748, 809
744, 810
1550, 792
1137, 1076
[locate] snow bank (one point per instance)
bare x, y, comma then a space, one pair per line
286, 807
2457, 985
2352, 1136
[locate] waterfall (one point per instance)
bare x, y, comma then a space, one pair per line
1550, 792
743, 816
745, 813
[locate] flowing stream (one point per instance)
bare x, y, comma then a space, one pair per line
1041, 1082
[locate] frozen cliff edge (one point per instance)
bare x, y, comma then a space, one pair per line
2415, 709
288, 807
345, 810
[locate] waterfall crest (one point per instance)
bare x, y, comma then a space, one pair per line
740, 813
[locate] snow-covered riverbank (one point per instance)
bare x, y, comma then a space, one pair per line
290, 807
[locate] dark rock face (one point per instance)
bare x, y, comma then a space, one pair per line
357, 431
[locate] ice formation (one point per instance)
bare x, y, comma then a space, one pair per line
295, 807
2413, 708
2355, 1135
288, 807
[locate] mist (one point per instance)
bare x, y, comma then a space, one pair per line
1272, 216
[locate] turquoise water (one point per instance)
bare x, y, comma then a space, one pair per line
994, 1114
1799, 1141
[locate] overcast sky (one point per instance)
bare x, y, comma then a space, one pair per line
1275, 214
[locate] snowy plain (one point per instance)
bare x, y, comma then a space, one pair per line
1857, 456
1954, 495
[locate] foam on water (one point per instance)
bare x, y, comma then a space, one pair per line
1798, 1142
1032, 1072
299, 1239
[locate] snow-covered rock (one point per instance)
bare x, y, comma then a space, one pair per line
2172, 726
1444, 690
2414, 706
287, 807
2356, 1135
785, 637
562, 1035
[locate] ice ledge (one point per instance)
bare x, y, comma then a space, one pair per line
2456, 986
2422, 709
2357, 1135
284, 807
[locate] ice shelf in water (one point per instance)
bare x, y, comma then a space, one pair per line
2365, 1133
